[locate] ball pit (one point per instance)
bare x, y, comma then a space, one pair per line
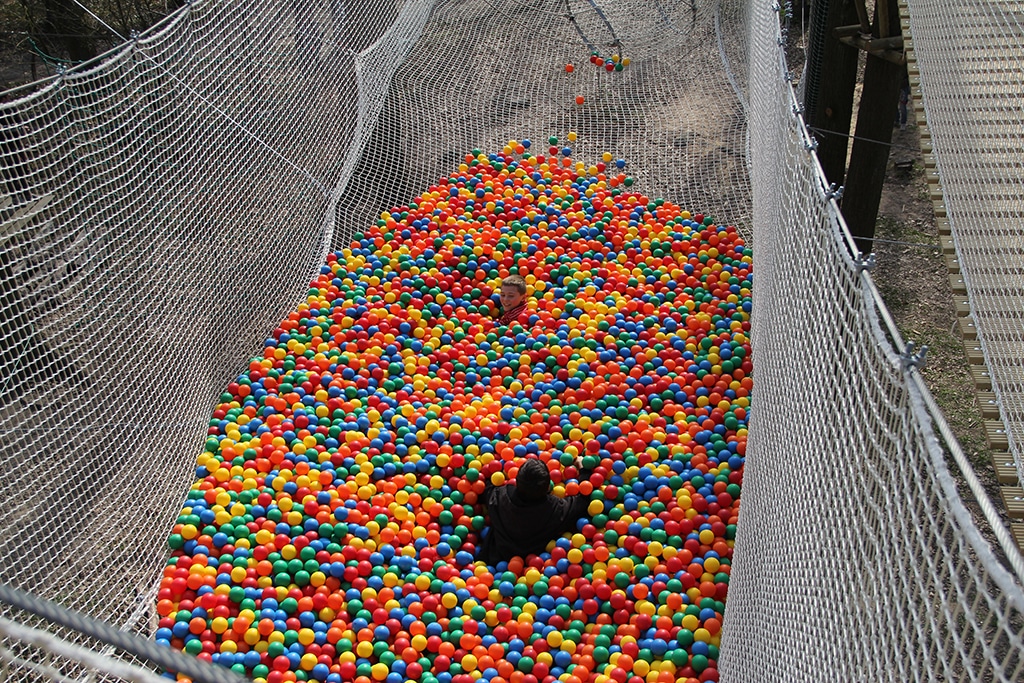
331, 532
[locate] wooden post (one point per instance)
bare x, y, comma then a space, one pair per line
870, 155
831, 79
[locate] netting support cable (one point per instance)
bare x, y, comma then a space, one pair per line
923, 245
608, 24
164, 657
319, 185
572, 20
850, 136
101, 22
671, 24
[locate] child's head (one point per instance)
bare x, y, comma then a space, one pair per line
533, 480
513, 292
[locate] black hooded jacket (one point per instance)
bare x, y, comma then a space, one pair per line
522, 527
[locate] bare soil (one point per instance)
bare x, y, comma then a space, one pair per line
16, 66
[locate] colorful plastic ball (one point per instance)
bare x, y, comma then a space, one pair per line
333, 529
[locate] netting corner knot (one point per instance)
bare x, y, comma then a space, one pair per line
835, 192
61, 70
133, 36
913, 359
867, 263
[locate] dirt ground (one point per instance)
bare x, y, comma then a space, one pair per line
18, 64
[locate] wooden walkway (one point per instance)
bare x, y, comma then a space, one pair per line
966, 64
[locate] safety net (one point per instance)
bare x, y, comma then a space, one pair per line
971, 92
902, 563
167, 207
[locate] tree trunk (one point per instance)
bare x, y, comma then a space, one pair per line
66, 21
829, 85
870, 155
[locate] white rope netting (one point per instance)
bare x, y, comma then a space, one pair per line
971, 91
168, 205
880, 574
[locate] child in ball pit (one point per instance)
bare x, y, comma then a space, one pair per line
512, 295
525, 517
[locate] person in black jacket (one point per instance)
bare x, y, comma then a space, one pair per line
525, 517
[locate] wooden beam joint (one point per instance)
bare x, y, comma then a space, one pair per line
889, 49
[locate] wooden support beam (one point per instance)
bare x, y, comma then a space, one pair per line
889, 49
1013, 501
995, 434
1017, 529
883, 14
849, 30
862, 15
831, 80
870, 155
989, 408
1006, 470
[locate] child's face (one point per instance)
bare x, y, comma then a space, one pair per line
510, 297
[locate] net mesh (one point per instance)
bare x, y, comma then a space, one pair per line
971, 92
167, 206
881, 573
48, 657
484, 73
163, 210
